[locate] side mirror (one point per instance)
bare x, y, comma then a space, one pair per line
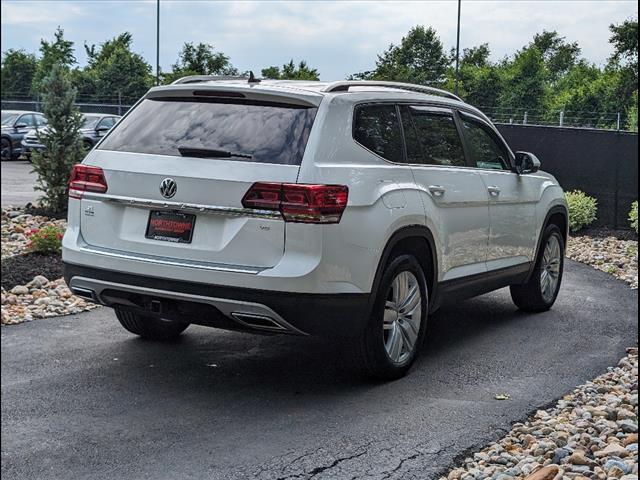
526, 163
102, 129
18, 126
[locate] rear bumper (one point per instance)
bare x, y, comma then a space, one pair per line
232, 308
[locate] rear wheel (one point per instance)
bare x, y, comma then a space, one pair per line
6, 150
540, 293
149, 327
392, 338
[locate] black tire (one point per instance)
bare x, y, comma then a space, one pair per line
6, 150
529, 296
151, 328
370, 354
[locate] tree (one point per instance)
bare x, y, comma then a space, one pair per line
61, 139
291, 72
58, 52
419, 59
114, 69
525, 82
632, 122
475, 56
18, 69
559, 56
200, 59
624, 39
480, 82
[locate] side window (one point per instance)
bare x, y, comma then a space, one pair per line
106, 122
26, 120
438, 137
486, 151
41, 120
377, 128
414, 150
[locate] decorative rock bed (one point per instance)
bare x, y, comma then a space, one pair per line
40, 297
615, 256
592, 433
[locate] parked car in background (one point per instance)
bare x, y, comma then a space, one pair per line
94, 127
15, 125
348, 209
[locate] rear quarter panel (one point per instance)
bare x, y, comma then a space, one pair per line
383, 198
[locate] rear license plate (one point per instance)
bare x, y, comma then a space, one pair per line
170, 226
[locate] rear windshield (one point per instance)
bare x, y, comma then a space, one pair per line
248, 130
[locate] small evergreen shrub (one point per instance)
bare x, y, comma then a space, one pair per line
61, 139
45, 240
583, 210
633, 216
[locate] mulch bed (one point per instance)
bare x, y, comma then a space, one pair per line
21, 269
604, 232
32, 209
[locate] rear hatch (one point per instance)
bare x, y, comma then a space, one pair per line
177, 167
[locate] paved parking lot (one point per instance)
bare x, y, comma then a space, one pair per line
17, 183
81, 398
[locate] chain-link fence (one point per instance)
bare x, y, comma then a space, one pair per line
557, 118
112, 104
118, 105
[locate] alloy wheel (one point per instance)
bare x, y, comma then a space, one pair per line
550, 269
402, 317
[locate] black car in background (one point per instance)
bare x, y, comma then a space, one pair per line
15, 125
94, 127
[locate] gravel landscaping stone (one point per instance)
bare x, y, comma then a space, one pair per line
15, 225
616, 256
589, 434
39, 297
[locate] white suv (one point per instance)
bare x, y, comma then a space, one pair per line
351, 209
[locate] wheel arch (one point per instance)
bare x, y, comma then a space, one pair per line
411, 239
557, 215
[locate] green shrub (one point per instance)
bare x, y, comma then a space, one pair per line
61, 139
633, 216
45, 240
583, 210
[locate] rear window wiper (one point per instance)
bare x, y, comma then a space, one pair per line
210, 153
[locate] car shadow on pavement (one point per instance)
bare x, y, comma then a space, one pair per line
208, 361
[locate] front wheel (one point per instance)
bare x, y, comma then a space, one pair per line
148, 327
540, 292
392, 338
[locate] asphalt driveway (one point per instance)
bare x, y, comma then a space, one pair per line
81, 398
17, 183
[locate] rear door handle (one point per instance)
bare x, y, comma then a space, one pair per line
437, 190
494, 191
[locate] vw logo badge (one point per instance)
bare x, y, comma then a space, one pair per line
168, 187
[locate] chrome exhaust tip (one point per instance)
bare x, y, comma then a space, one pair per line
85, 293
259, 322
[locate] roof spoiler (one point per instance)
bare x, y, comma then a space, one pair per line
214, 78
207, 78
343, 86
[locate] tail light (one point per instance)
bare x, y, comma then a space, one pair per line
299, 202
85, 178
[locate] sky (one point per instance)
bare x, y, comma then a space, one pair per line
336, 37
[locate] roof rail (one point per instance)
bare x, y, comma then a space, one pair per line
343, 86
207, 78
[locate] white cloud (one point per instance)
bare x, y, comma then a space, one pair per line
337, 37
28, 14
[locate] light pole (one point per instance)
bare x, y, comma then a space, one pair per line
457, 49
157, 42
